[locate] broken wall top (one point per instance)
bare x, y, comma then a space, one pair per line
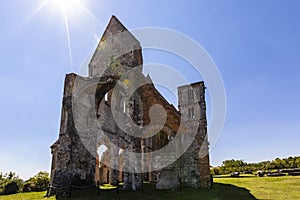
117, 52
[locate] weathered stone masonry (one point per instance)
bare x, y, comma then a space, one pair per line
87, 123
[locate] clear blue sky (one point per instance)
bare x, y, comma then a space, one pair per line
255, 44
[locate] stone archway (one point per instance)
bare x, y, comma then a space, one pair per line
102, 165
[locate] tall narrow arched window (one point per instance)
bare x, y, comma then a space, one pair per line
190, 94
124, 107
191, 112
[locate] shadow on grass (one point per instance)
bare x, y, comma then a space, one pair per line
228, 191
219, 191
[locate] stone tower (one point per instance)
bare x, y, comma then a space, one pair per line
194, 163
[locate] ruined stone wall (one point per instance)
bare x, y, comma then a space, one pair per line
117, 52
83, 128
87, 122
72, 162
149, 97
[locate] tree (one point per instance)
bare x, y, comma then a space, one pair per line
229, 166
10, 183
297, 162
232, 165
39, 182
215, 171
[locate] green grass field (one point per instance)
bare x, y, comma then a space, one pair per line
26, 196
248, 188
285, 187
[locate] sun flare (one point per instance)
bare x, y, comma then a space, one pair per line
65, 5
70, 10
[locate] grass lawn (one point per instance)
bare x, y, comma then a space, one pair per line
284, 187
245, 188
26, 196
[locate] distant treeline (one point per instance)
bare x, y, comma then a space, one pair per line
10, 183
229, 166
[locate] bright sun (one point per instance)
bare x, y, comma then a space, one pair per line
65, 5
70, 9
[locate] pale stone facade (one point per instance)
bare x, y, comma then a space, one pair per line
87, 122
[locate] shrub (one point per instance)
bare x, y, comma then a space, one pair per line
37, 183
10, 183
11, 188
27, 186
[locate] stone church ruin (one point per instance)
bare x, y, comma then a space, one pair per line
116, 110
